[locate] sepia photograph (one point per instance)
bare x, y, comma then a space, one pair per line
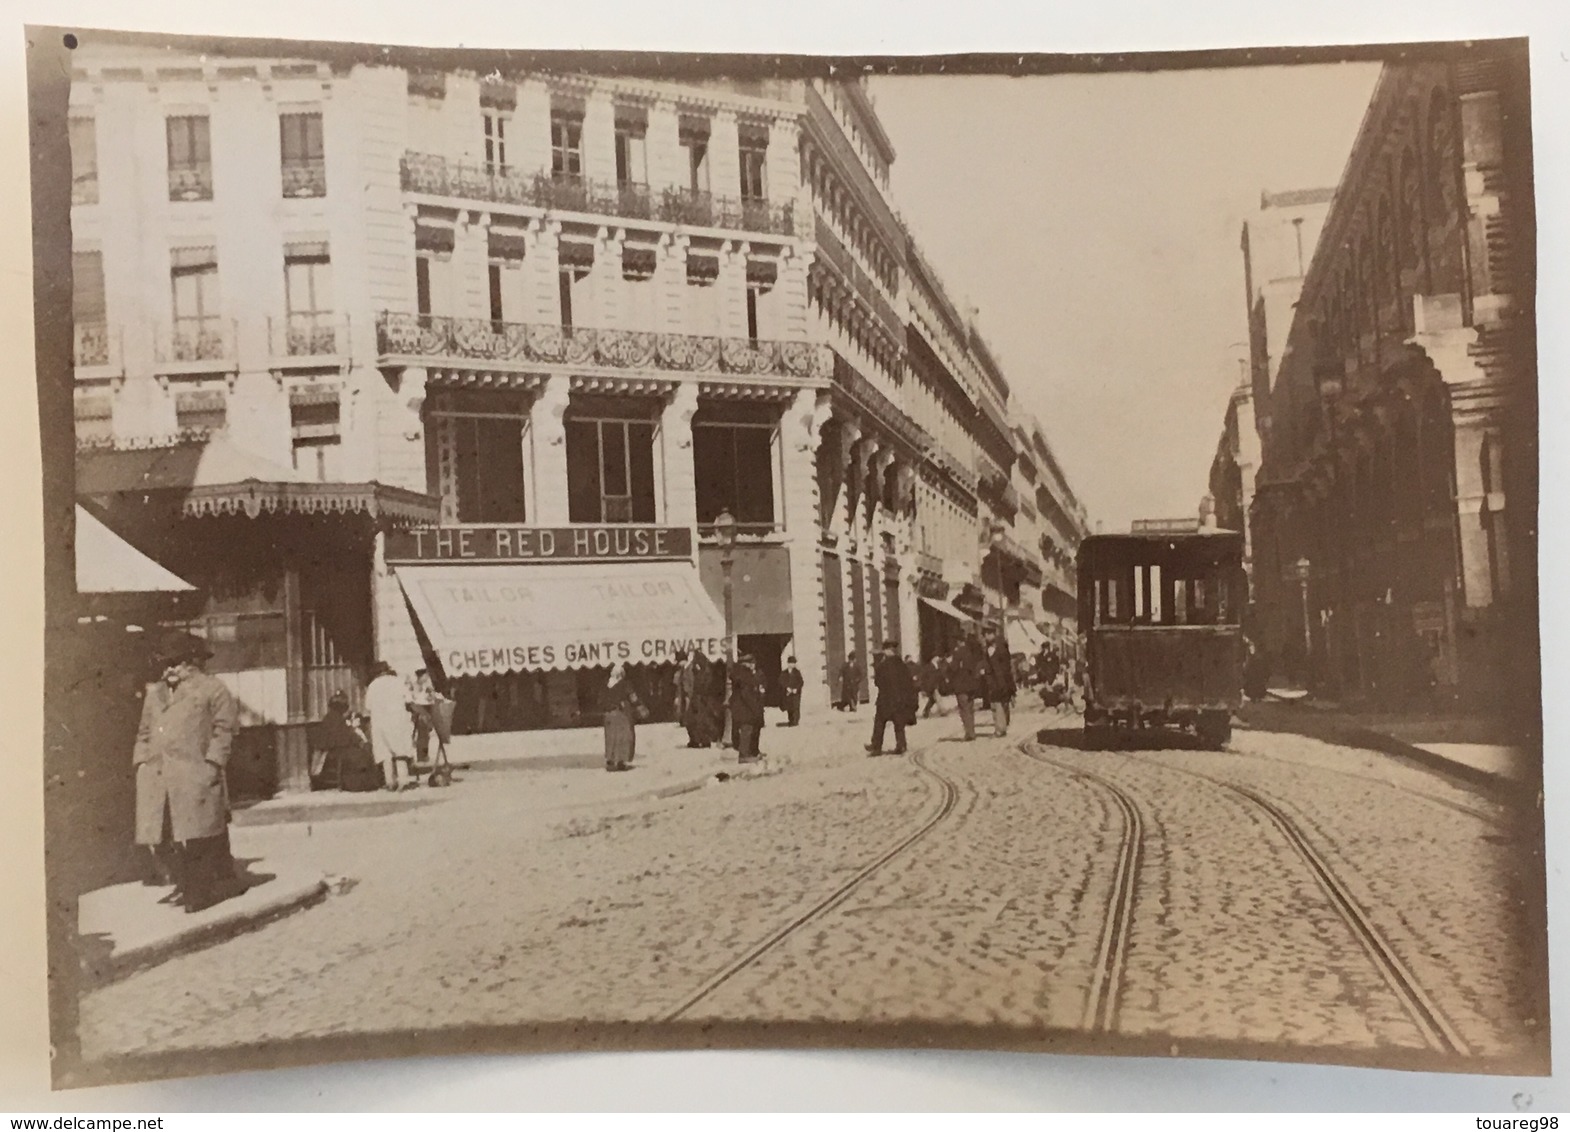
602, 551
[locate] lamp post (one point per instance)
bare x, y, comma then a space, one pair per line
725, 534
1300, 571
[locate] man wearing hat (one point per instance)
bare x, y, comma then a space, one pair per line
746, 707
791, 684
182, 750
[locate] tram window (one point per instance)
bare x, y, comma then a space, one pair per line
1154, 577
1112, 599
1139, 593
1180, 588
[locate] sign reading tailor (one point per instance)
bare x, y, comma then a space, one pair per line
611, 543
489, 619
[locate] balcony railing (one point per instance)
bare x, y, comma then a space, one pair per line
305, 178
191, 182
564, 192
305, 336
92, 344
436, 336
708, 533
195, 345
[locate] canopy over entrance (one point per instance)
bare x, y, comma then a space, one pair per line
493, 619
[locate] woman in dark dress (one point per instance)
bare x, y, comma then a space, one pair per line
621, 708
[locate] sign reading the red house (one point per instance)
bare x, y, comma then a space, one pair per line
589, 543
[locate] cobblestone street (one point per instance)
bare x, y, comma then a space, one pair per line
753, 900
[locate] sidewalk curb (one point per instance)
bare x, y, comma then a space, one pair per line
1502, 787
200, 936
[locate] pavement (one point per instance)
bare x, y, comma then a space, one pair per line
279, 847
1491, 753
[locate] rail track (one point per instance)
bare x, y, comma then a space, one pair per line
948, 795
1438, 1033
1105, 991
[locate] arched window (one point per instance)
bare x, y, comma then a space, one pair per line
1447, 266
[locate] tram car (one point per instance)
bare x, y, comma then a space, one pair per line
1160, 611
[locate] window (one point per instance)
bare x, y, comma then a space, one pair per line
632, 165
300, 146
495, 122
84, 161
565, 279
87, 308
190, 158
754, 152
313, 421
752, 313
610, 469
197, 318
566, 144
308, 292
495, 275
422, 285
733, 468
694, 138
481, 458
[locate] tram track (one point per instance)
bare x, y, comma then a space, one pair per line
948, 797
1438, 1033
1105, 991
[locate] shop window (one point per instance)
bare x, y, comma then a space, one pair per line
733, 465
316, 438
308, 292
303, 161
610, 470
84, 161
481, 458
190, 158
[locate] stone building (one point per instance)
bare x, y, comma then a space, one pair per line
1393, 509
459, 371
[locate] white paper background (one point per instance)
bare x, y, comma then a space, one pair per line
911, 1080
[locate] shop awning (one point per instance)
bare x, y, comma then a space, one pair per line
492, 619
218, 477
1023, 637
107, 564
946, 608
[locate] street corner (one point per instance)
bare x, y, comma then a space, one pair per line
127, 927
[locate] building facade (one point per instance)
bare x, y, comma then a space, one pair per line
460, 371
1393, 510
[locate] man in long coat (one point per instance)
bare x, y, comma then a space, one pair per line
897, 699
791, 683
965, 672
182, 751
1000, 686
746, 708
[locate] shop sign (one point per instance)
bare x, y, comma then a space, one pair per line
587, 543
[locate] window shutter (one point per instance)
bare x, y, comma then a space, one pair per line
753, 135
193, 257
633, 119
694, 127
87, 286
429, 238
637, 263
507, 245
763, 272
702, 268
576, 253
306, 249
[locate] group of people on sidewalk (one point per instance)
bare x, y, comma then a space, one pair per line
723, 703
979, 669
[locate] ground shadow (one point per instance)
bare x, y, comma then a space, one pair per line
1149, 739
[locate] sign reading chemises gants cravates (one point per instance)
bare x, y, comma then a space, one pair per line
479, 545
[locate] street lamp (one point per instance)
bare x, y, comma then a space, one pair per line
1300, 570
725, 535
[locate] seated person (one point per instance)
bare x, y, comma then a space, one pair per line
346, 763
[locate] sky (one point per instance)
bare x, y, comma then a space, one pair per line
1095, 221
